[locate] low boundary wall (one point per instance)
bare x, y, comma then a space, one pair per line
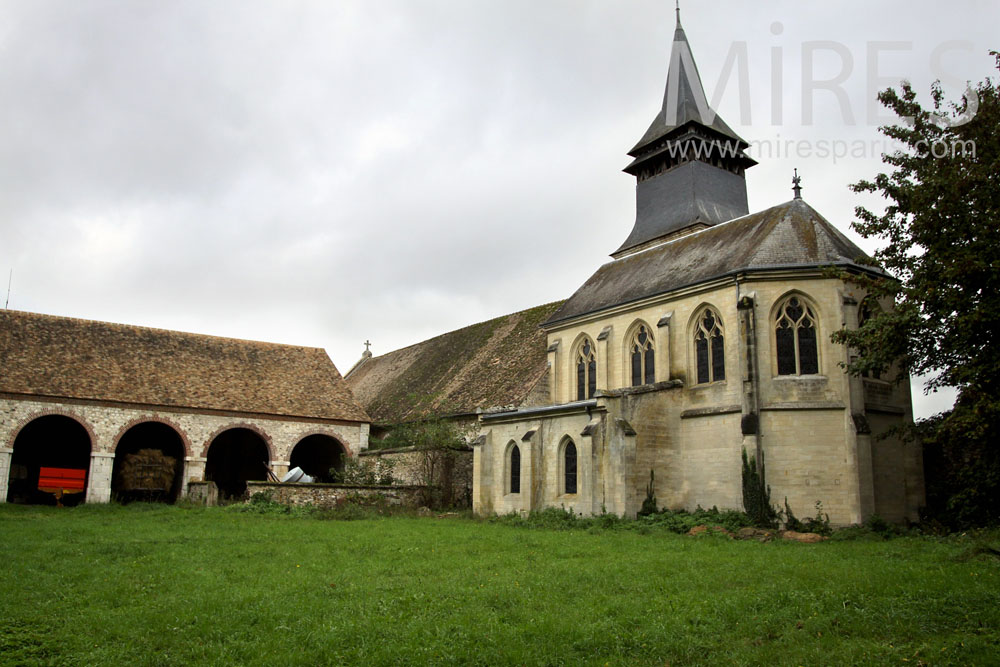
334, 495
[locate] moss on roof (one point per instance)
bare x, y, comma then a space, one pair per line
493, 363
63, 357
789, 235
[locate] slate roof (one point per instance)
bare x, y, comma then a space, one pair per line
490, 364
690, 167
689, 194
790, 235
44, 355
684, 109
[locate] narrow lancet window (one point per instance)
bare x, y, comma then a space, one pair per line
569, 467
586, 371
515, 469
643, 361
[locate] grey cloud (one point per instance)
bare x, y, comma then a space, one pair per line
325, 172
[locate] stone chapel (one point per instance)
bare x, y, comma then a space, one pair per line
708, 333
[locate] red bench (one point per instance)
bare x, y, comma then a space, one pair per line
61, 481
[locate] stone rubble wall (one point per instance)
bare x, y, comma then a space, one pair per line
203, 493
334, 495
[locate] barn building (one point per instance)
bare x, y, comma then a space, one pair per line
84, 395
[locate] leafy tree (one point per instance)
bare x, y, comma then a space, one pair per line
939, 230
442, 448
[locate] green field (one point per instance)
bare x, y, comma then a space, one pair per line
168, 585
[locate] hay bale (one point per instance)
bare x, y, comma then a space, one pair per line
148, 470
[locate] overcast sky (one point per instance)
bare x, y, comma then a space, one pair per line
322, 173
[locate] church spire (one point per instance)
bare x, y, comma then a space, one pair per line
684, 98
689, 164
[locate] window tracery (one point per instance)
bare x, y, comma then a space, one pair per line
643, 358
586, 371
795, 338
709, 348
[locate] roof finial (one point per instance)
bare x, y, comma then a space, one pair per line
678, 8
796, 188
367, 352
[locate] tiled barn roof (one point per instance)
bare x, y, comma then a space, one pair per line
490, 364
44, 355
790, 235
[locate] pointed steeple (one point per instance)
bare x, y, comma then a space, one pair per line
689, 164
684, 98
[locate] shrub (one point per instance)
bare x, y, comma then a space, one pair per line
878, 525
855, 532
682, 521
365, 472
264, 503
558, 518
819, 524
440, 445
649, 503
347, 512
756, 495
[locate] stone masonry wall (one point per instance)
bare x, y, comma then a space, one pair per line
408, 469
334, 495
106, 424
540, 442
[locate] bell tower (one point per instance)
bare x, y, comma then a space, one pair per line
689, 165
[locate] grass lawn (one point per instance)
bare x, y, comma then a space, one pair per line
164, 585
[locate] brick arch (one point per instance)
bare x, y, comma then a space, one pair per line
188, 449
54, 412
336, 436
250, 427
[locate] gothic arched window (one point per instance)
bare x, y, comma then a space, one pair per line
709, 347
569, 468
586, 371
868, 309
795, 338
515, 469
642, 355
